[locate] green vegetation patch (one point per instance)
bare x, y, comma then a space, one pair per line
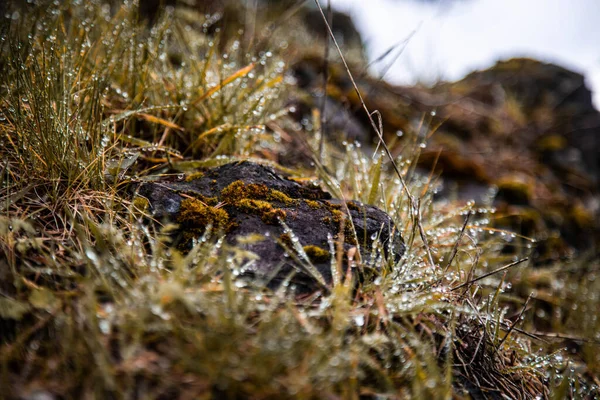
276, 195
317, 254
255, 199
239, 190
140, 205
268, 213
314, 204
198, 214
314, 253
194, 175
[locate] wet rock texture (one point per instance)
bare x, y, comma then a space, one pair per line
245, 199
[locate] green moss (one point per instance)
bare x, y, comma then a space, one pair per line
254, 198
139, 206
337, 216
332, 206
276, 195
194, 216
349, 235
264, 209
239, 190
311, 194
197, 215
314, 204
211, 201
193, 176
140, 203
317, 254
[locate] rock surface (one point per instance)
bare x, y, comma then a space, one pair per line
245, 199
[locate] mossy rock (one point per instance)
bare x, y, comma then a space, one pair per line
244, 199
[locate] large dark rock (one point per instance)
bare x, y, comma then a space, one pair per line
244, 199
532, 128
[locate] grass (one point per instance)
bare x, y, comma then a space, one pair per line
93, 302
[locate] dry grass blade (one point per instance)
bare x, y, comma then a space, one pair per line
456, 244
415, 206
323, 122
237, 75
160, 121
514, 324
504, 268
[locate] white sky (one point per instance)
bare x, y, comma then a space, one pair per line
452, 40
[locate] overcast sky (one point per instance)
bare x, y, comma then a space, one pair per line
451, 40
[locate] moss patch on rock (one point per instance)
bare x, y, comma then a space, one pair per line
194, 212
315, 205
239, 190
268, 213
317, 254
337, 218
255, 199
194, 175
139, 206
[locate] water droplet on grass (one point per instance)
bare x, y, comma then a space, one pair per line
359, 320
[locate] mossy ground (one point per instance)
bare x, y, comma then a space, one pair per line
96, 303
